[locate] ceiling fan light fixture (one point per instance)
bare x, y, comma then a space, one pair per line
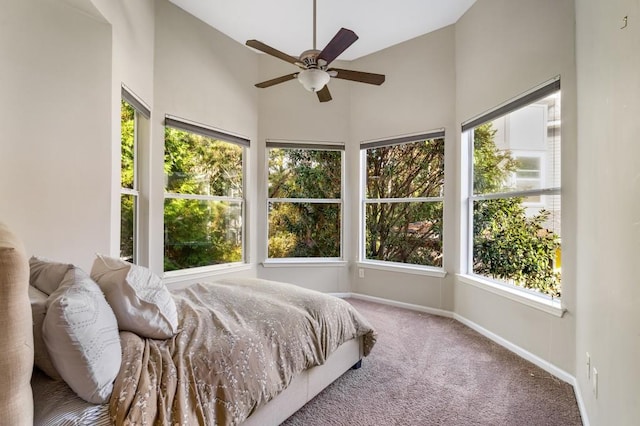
313, 79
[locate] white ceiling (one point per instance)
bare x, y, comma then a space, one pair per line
287, 25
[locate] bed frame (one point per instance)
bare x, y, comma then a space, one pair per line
307, 385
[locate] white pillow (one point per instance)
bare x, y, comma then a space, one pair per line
46, 275
81, 335
141, 302
41, 357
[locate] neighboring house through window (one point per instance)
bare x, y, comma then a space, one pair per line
204, 195
514, 206
402, 200
305, 187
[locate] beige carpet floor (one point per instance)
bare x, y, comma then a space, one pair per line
430, 370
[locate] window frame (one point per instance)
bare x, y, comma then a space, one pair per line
538, 300
436, 271
140, 111
223, 136
308, 145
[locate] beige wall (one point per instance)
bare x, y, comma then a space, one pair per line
608, 308
417, 96
55, 148
504, 48
59, 141
204, 76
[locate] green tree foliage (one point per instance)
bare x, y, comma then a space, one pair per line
507, 243
200, 232
304, 229
405, 232
127, 217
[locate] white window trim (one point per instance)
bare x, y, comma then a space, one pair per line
135, 191
541, 156
406, 268
201, 272
521, 295
382, 264
525, 296
204, 271
273, 262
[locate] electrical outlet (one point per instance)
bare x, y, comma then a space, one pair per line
361, 273
588, 366
595, 382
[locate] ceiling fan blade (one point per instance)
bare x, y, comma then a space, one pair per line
324, 95
338, 44
258, 45
359, 76
278, 80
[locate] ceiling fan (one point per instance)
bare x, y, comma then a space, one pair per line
314, 64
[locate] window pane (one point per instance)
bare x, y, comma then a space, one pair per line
304, 230
195, 164
409, 170
127, 227
200, 233
127, 144
304, 173
517, 244
404, 232
519, 151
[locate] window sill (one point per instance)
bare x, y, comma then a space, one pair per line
296, 263
173, 277
550, 306
407, 269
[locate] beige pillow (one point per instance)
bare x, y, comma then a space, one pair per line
16, 335
46, 275
38, 311
141, 302
81, 335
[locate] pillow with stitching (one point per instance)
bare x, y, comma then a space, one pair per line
40, 355
141, 302
46, 275
81, 336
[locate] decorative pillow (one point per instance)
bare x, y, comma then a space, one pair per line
141, 302
16, 338
81, 335
46, 275
38, 311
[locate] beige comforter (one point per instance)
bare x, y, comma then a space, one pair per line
241, 342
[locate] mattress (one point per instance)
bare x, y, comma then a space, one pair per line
55, 403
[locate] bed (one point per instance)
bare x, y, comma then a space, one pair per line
237, 351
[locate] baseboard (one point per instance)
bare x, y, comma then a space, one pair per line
523, 353
534, 359
411, 306
581, 406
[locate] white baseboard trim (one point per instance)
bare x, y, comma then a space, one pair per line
411, 306
523, 353
581, 406
545, 365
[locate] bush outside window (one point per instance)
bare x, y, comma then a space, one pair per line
204, 199
304, 200
515, 200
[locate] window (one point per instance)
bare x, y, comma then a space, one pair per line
514, 200
402, 202
132, 111
204, 196
304, 200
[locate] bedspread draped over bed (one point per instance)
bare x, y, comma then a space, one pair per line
240, 344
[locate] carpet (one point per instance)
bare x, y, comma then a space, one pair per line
430, 370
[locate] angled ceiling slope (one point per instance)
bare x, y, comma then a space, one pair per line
288, 24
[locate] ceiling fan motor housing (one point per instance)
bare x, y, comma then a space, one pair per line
310, 59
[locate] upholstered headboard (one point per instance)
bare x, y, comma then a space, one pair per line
16, 335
